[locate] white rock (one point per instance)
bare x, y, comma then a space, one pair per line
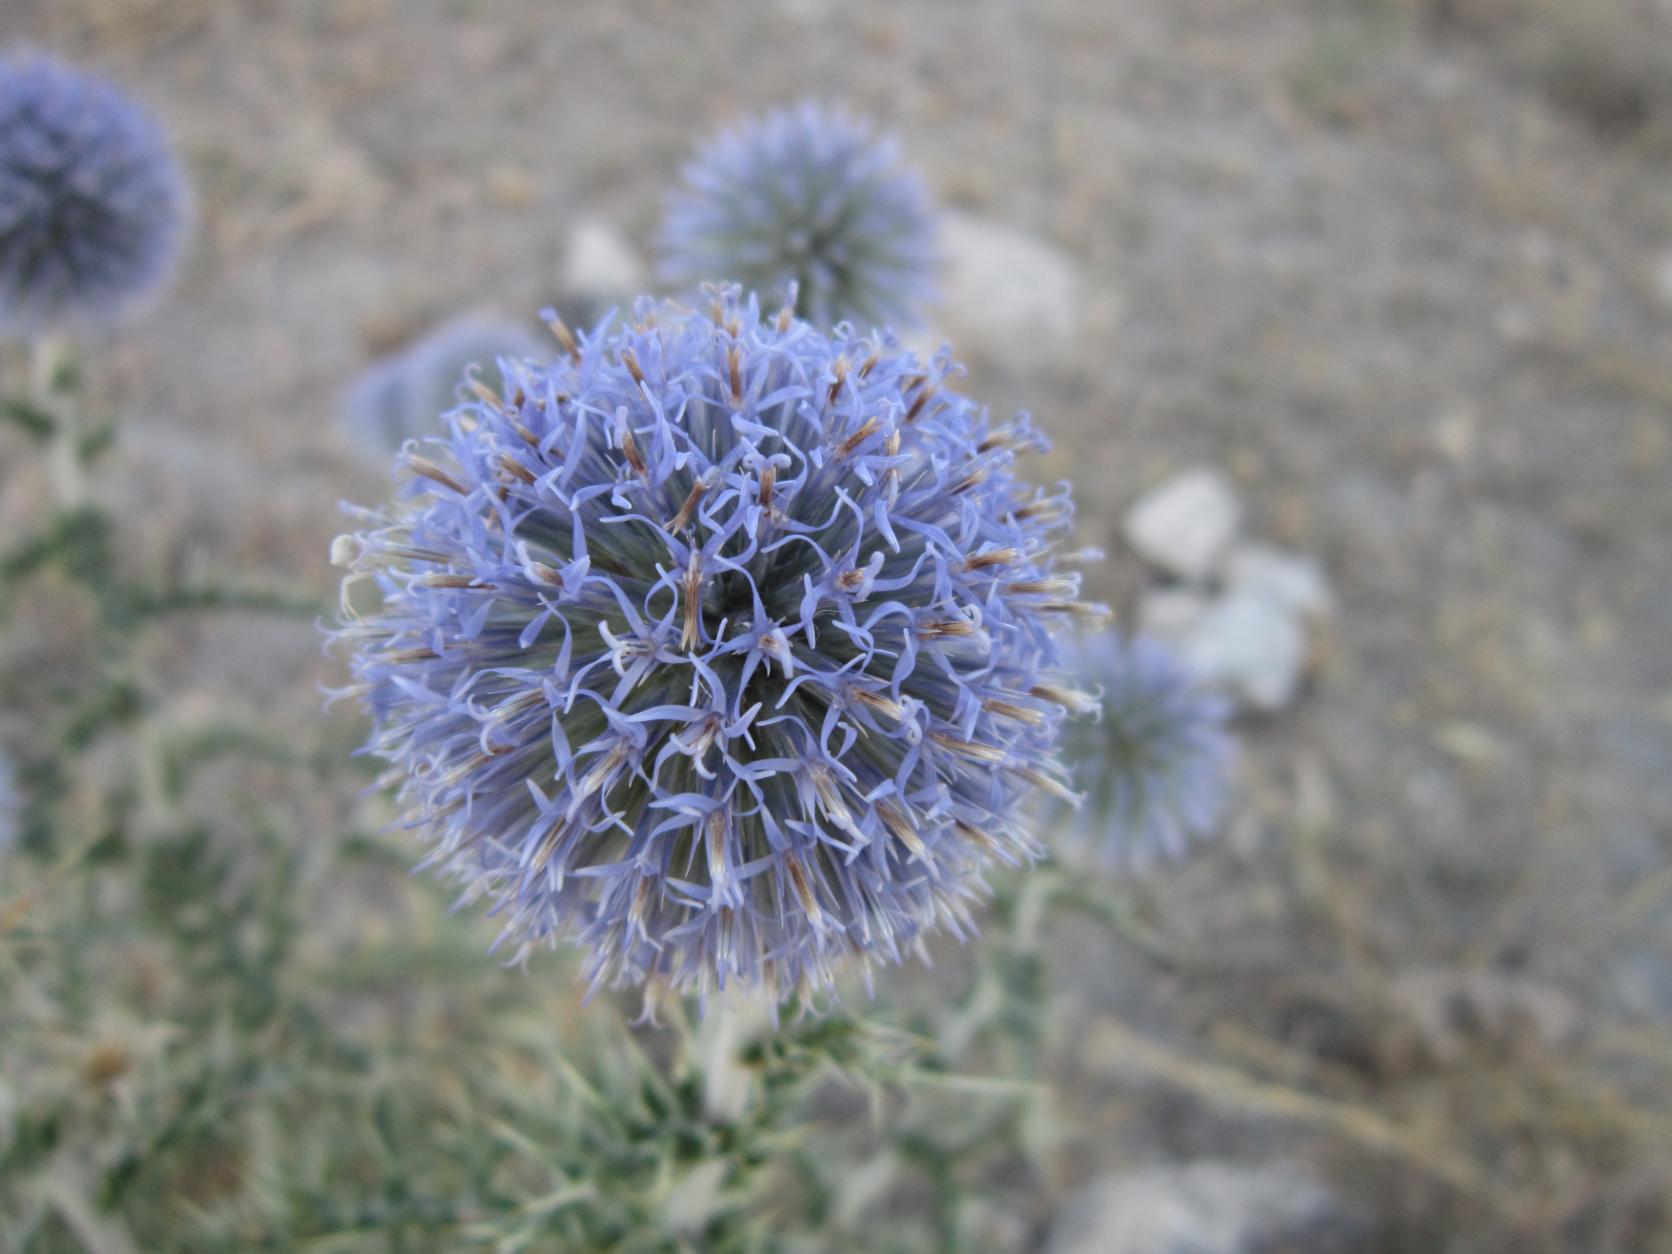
1171, 614
1204, 1207
1005, 290
599, 262
807, 12
1185, 525
1663, 278
1294, 582
1251, 646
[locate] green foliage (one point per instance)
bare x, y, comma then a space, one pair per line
228, 1029
213, 1050
75, 553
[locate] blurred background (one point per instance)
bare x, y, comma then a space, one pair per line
1399, 270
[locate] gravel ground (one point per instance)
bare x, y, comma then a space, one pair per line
1401, 268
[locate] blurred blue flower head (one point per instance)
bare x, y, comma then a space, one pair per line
93, 204
723, 647
809, 197
403, 395
1156, 764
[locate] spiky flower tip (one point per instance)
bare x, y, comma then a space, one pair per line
723, 647
1156, 760
92, 200
807, 196
402, 396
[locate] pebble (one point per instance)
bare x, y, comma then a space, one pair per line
1663, 278
806, 12
1239, 613
1288, 579
1206, 1207
1171, 614
1250, 645
1006, 290
1185, 525
600, 263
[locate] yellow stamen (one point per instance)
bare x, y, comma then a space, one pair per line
866, 430
487, 395
714, 829
430, 470
511, 466
989, 754
992, 557
682, 519
630, 450
1054, 786
902, 830
691, 632
881, 704
804, 890
1009, 709
565, 338
1071, 699
839, 368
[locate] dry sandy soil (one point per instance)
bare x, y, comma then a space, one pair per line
1404, 269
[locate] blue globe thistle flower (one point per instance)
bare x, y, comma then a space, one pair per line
721, 647
1156, 761
92, 201
402, 396
806, 199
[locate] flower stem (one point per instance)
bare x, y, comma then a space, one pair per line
733, 1017
69, 488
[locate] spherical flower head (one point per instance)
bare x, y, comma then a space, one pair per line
1154, 754
723, 647
811, 200
92, 200
402, 396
